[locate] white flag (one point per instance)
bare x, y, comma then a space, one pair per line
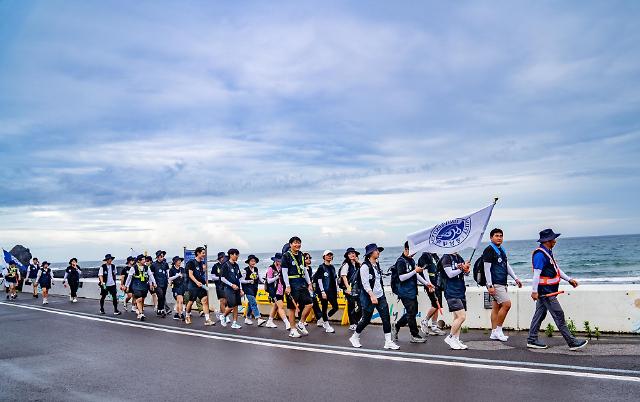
453, 235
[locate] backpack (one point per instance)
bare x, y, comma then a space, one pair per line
354, 281
478, 272
395, 277
441, 277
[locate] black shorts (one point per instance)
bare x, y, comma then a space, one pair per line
301, 296
279, 297
196, 293
457, 304
177, 291
233, 297
435, 297
140, 294
220, 293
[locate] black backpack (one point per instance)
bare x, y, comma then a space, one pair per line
354, 281
478, 272
441, 277
395, 277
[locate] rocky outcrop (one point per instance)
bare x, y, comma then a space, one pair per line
22, 254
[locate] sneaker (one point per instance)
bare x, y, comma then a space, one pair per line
117, 312
294, 334
228, 320
224, 321
578, 345
451, 341
302, 329
139, 317
75, 300
187, 320
163, 315
536, 345
261, 322
182, 317
424, 326
328, 329
271, 324
436, 331
235, 325
202, 314
209, 323
287, 326
462, 345
306, 324
44, 301
417, 339
102, 312
320, 322
176, 316
496, 336
394, 333
352, 327
391, 345
126, 306
248, 321
355, 341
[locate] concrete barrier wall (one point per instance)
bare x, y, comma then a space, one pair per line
611, 308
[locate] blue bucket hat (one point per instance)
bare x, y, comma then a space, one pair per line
371, 248
277, 257
547, 235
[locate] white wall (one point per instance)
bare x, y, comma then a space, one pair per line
614, 308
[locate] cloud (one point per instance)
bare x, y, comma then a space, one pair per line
344, 124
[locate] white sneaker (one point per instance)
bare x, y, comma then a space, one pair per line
248, 321
436, 331
352, 327
320, 322
355, 341
235, 325
302, 329
45, 301
424, 326
228, 319
462, 345
261, 322
75, 300
223, 322
453, 344
328, 329
294, 334
287, 326
496, 336
271, 324
391, 345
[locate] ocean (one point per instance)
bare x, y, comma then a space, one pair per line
598, 259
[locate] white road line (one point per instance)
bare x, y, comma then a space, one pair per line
402, 359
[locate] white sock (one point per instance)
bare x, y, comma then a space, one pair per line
499, 329
286, 322
356, 335
457, 337
387, 337
206, 317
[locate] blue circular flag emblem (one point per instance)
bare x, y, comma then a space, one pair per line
451, 233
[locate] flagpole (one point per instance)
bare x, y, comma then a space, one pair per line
495, 201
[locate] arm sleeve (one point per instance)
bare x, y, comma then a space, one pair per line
174, 277
408, 275
226, 281
38, 277
511, 272
215, 277
306, 276
487, 273
364, 278
564, 276
246, 281
79, 271
65, 277
451, 271
285, 276
536, 280
320, 286
271, 276
424, 280
129, 277
152, 279
404, 273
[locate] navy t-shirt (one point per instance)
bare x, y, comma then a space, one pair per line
498, 263
454, 288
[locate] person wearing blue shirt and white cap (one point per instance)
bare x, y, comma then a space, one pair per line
544, 288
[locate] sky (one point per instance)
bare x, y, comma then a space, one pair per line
158, 124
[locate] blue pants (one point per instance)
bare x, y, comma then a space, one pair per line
253, 307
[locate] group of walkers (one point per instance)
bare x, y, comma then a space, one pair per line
296, 290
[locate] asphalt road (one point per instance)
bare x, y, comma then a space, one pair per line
68, 352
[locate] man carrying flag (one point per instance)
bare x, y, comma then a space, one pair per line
12, 275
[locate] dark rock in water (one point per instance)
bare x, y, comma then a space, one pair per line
22, 254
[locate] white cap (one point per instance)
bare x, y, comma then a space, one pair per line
327, 252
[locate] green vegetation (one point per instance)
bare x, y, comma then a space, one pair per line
572, 327
549, 330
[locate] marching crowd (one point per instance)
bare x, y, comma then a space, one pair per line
296, 290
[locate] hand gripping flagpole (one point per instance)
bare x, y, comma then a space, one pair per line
495, 201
